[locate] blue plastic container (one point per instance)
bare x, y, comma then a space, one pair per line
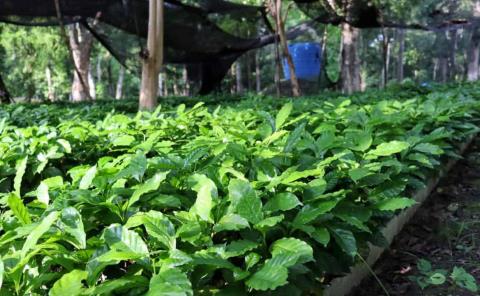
306, 58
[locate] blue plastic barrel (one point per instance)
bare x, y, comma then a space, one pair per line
306, 58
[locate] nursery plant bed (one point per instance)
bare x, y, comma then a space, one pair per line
344, 285
445, 232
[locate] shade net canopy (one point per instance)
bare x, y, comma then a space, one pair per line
193, 35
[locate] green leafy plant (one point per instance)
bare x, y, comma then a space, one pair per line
254, 197
434, 277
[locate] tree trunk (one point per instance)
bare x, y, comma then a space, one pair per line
249, 71
153, 58
176, 89
110, 84
452, 65
5, 97
258, 77
286, 53
81, 42
186, 81
351, 79
99, 69
278, 68
473, 56
386, 56
443, 64
160, 85
238, 76
401, 52
165, 82
91, 84
121, 78
50, 89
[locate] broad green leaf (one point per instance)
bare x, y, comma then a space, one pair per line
346, 240
282, 202
311, 212
421, 158
314, 189
125, 140
294, 137
428, 148
2, 270
287, 252
358, 173
269, 222
206, 257
464, 279
110, 286
170, 282
252, 259
150, 185
18, 208
392, 147
354, 221
437, 278
116, 256
424, 266
104, 257
206, 196
72, 224
176, 258
359, 141
136, 168
393, 204
54, 182
231, 222
239, 248
65, 144
269, 277
69, 284
244, 200
296, 175
121, 239
273, 137
283, 115
20, 168
38, 231
42, 193
87, 179
160, 227
321, 235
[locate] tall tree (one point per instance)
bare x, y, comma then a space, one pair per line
473, 50
152, 56
351, 79
239, 76
120, 82
4, 94
275, 8
452, 59
473, 55
258, 77
401, 53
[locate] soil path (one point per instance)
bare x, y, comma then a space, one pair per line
445, 232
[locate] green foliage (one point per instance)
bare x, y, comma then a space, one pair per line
191, 200
434, 277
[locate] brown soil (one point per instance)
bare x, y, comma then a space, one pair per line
445, 231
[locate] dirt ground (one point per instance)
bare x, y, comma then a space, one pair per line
445, 232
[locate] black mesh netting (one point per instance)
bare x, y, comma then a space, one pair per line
192, 35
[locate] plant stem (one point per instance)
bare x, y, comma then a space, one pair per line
373, 274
